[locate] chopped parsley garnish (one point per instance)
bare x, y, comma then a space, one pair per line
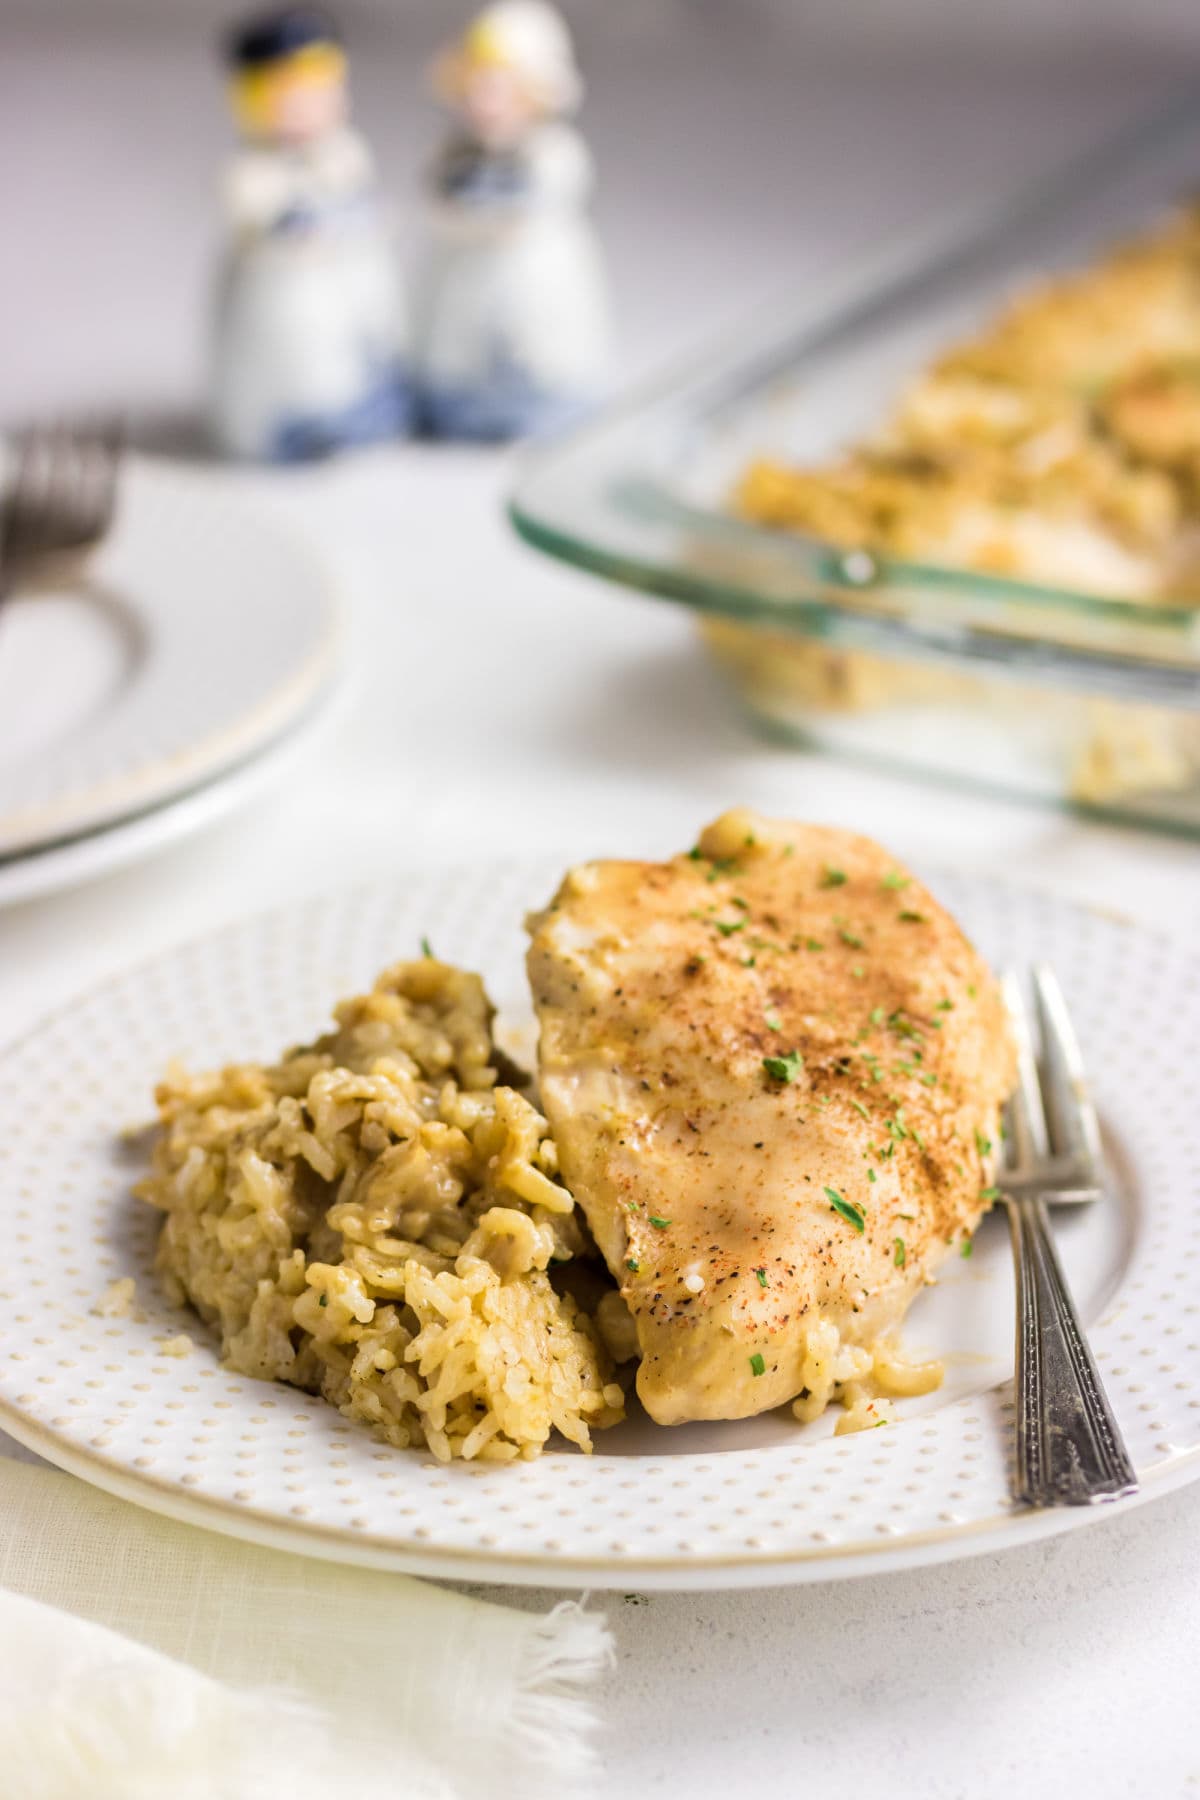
727, 927
695, 854
742, 905
918, 1140
894, 880
901, 1254
971, 990
944, 1006
912, 918
748, 962
757, 1364
772, 1021
903, 1027
989, 1193
982, 1144
425, 948
850, 937
760, 1275
966, 1247
833, 877
633, 1265
659, 1224
860, 1109
847, 1209
896, 1128
870, 1174
784, 1068
876, 1015
813, 944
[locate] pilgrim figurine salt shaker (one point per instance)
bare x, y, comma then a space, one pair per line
308, 352
510, 314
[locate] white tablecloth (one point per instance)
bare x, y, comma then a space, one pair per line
500, 703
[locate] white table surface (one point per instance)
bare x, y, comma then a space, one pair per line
498, 703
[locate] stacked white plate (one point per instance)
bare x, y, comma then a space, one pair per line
165, 686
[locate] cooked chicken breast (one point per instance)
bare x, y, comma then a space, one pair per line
773, 1068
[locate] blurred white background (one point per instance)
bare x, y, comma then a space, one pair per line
742, 146
1170, 23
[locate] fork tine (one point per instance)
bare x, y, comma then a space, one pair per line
23, 504
1027, 1141
88, 456
79, 457
68, 474
112, 442
1074, 1125
98, 450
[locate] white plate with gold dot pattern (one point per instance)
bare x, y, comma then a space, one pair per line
763, 1501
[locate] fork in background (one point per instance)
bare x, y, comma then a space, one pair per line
1069, 1447
60, 499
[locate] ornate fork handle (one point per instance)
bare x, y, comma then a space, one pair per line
1069, 1448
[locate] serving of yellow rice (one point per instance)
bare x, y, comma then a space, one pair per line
374, 1217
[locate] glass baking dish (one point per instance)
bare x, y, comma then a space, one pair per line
1082, 700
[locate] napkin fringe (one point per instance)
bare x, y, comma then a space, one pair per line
551, 1725
122, 1723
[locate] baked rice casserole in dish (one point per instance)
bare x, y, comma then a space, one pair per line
941, 512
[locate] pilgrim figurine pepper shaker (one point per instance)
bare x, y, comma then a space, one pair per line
510, 325
308, 355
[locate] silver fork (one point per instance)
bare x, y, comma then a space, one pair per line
1069, 1447
60, 498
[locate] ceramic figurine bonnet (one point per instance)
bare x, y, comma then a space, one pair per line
308, 353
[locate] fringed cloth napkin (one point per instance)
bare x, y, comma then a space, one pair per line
143, 1660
